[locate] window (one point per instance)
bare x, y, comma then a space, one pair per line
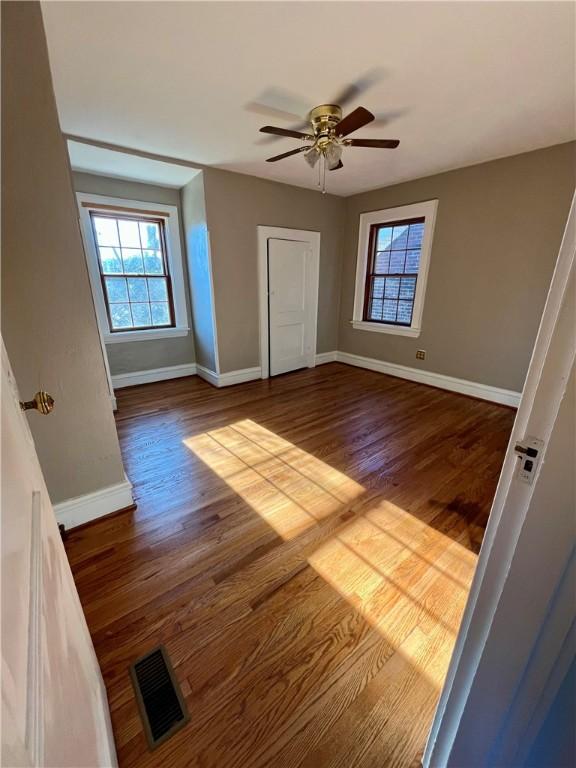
134, 271
393, 255
393, 263
135, 267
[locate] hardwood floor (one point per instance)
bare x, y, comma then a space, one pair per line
303, 547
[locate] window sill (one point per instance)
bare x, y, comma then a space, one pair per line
148, 335
397, 330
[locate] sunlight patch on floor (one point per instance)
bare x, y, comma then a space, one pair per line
399, 572
289, 488
388, 580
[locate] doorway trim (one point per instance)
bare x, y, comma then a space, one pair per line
283, 233
535, 671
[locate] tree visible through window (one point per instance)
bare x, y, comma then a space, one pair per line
134, 271
393, 264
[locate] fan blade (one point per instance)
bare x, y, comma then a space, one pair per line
264, 109
287, 154
379, 143
340, 165
281, 103
356, 119
382, 119
285, 132
358, 87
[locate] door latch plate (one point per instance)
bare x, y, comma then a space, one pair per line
529, 451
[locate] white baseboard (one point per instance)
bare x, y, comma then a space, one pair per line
326, 357
483, 391
205, 373
230, 378
82, 509
155, 374
239, 377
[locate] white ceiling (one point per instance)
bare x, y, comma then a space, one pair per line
121, 165
464, 82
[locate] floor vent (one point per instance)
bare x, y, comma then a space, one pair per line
160, 700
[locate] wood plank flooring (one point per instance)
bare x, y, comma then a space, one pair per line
303, 547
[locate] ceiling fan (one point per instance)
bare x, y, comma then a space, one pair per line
328, 137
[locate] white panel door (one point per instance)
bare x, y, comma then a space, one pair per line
290, 316
54, 706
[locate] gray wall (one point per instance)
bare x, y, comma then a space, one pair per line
555, 744
198, 250
498, 230
236, 204
48, 319
130, 356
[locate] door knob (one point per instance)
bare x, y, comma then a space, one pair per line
42, 402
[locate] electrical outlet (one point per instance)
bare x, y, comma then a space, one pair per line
420, 354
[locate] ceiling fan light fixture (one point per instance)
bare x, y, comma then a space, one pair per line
333, 155
323, 145
312, 157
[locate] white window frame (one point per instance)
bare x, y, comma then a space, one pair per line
169, 214
428, 211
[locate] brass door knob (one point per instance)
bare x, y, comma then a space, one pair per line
43, 403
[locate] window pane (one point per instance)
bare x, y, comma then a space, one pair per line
132, 259
150, 235
375, 311
397, 261
392, 287
384, 238
120, 314
141, 314
400, 236
132, 264
110, 260
389, 314
137, 289
405, 312
412, 262
116, 289
158, 289
382, 263
106, 231
160, 313
378, 287
396, 252
153, 264
407, 287
129, 237
415, 235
